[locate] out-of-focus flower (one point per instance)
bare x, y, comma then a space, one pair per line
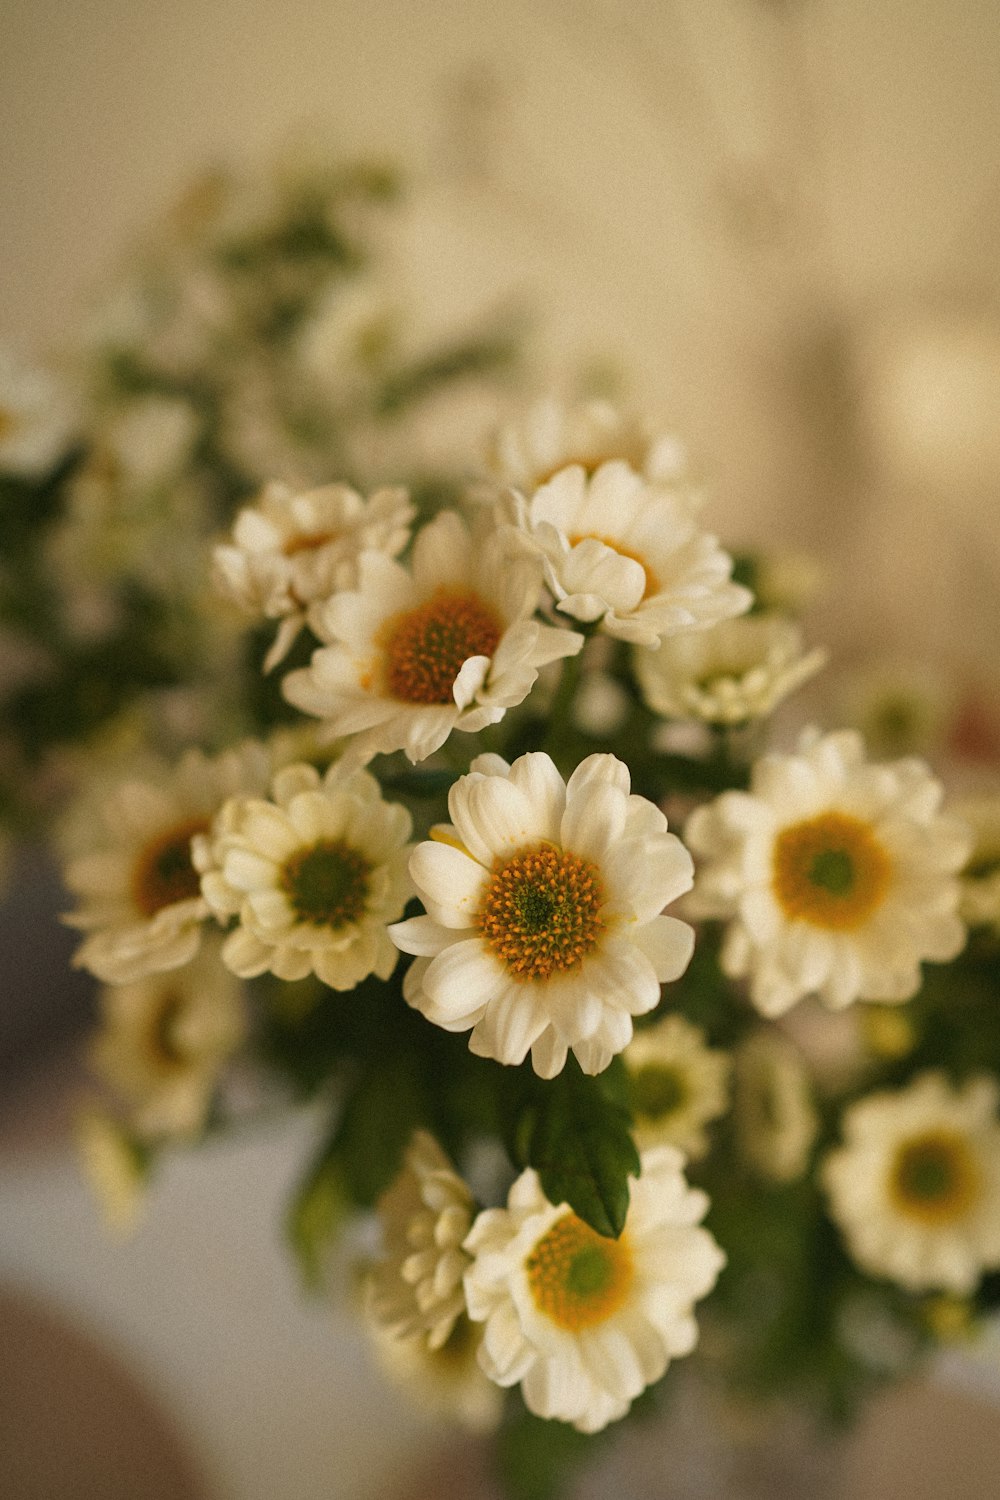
838, 877
581, 1322
415, 653
980, 879
915, 1187
545, 928
624, 553
38, 419
115, 1167
737, 670
312, 876
776, 1119
677, 1085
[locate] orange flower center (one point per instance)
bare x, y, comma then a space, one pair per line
652, 585
934, 1178
425, 648
542, 911
164, 872
576, 1276
830, 871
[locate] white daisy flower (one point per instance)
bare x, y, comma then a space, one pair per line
551, 435
140, 899
313, 876
413, 654
164, 1040
445, 1381
916, 1186
980, 879
838, 877
290, 550
582, 1322
544, 926
737, 670
676, 1085
624, 552
776, 1119
425, 1214
37, 419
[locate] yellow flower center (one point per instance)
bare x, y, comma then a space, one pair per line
542, 911
426, 647
652, 585
830, 871
576, 1276
934, 1178
327, 884
164, 872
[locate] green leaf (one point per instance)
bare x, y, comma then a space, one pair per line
380, 1115
314, 1217
579, 1140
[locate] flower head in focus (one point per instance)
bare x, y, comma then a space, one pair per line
915, 1187
290, 550
544, 928
624, 553
414, 653
676, 1085
312, 876
582, 1322
837, 877
140, 900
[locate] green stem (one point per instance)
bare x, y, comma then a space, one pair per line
560, 713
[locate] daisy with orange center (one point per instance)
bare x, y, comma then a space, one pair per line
584, 1323
915, 1188
623, 551
837, 877
139, 893
414, 653
545, 929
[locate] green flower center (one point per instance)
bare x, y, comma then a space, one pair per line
327, 884
542, 911
831, 871
934, 1178
657, 1091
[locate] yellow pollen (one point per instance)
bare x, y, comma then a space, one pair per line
652, 582
576, 1276
542, 911
830, 871
426, 647
164, 872
934, 1178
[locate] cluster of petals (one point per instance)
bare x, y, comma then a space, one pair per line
623, 551
291, 549
312, 875
163, 1042
413, 653
915, 1187
837, 877
550, 435
584, 1358
739, 669
139, 898
602, 845
678, 1084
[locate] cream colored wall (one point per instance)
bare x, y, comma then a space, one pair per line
750, 204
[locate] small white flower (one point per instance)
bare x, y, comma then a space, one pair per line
425, 1213
551, 435
290, 550
413, 654
625, 552
581, 1322
916, 1186
140, 900
901, 707
737, 670
313, 876
776, 1119
37, 419
980, 906
544, 926
676, 1085
837, 877
164, 1040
